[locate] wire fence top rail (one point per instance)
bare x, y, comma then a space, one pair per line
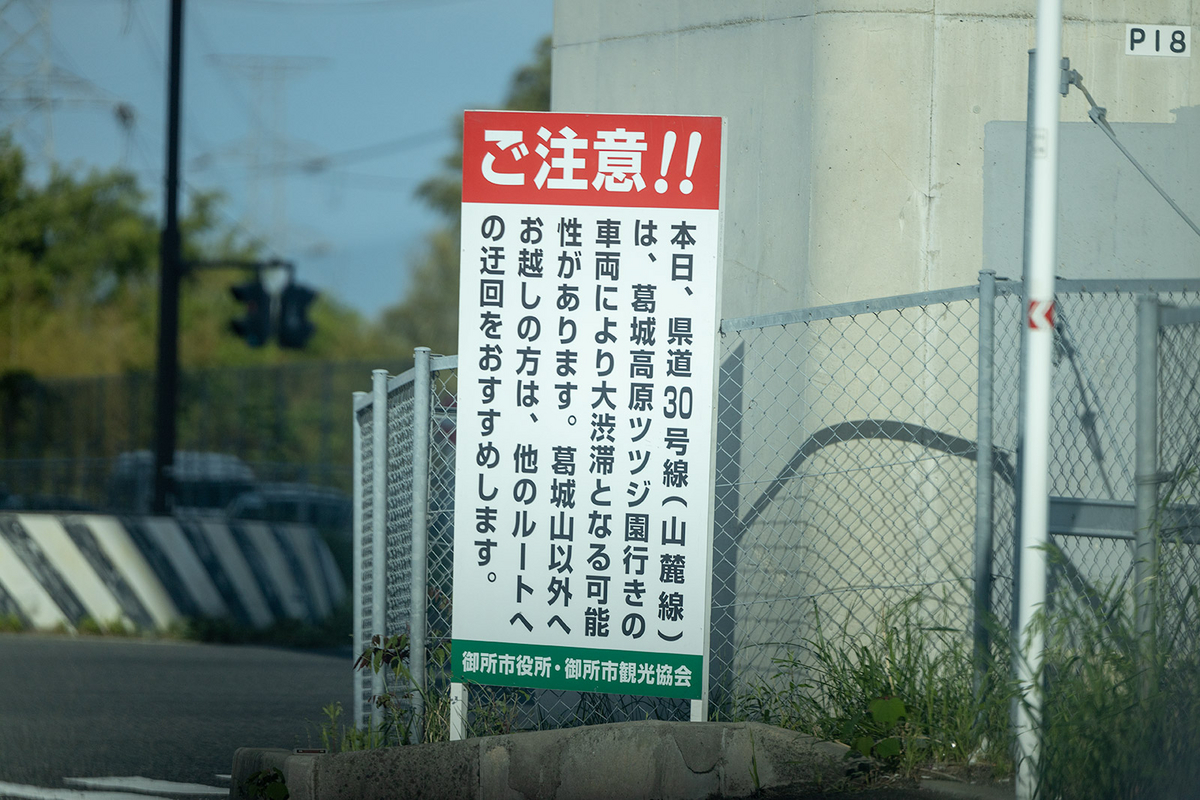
1004, 287
896, 303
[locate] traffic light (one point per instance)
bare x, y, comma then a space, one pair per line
255, 326
295, 329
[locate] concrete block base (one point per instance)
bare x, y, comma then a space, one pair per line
622, 761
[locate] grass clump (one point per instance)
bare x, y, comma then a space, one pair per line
118, 626
11, 623
336, 737
493, 710
1121, 710
905, 694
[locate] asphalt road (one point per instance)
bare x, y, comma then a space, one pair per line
92, 707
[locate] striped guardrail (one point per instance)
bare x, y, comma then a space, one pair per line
56, 570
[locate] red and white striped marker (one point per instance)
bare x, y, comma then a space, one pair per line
1040, 316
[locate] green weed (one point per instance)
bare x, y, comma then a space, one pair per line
905, 694
491, 710
267, 784
1120, 715
336, 737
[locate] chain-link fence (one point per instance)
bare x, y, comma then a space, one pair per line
867, 453
1178, 468
848, 435
85, 443
1093, 470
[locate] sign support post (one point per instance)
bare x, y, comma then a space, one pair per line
458, 711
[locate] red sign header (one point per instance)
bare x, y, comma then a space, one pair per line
540, 157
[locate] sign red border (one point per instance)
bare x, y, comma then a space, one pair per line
628, 160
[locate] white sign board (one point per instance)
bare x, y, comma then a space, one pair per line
1158, 40
588, 320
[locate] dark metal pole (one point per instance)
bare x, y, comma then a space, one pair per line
167, 375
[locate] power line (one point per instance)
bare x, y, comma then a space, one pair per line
200, 28
34, 84
342, 5
365, 152
153, 51
267, 143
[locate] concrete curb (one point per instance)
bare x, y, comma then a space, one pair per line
621, 761
970, 791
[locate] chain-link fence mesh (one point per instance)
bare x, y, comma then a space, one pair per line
848, 442
444, 388
1092, 449
399, 498
846, 476
1179, 465
1093, 442
364, 559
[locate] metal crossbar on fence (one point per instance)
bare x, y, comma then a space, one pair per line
867, 455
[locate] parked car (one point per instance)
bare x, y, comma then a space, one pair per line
327, 510
203, 481
319, 506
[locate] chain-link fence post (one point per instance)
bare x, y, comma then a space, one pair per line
984, 475
1146, 478
379, 452
422, 411
357, 556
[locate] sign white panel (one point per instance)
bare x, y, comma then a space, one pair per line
587, 339
1158, 40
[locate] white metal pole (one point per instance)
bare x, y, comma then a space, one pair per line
379, 576
1145, 564
422, 410
1036, 394
458, 711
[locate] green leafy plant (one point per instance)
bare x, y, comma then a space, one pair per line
267, 784
389, 654
880, 738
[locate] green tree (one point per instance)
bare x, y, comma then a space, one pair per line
75, 256
428, 315
79, 282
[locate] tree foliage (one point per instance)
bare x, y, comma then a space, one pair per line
79, 282
79, 272
428, 316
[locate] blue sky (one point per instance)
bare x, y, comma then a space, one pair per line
318, 118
